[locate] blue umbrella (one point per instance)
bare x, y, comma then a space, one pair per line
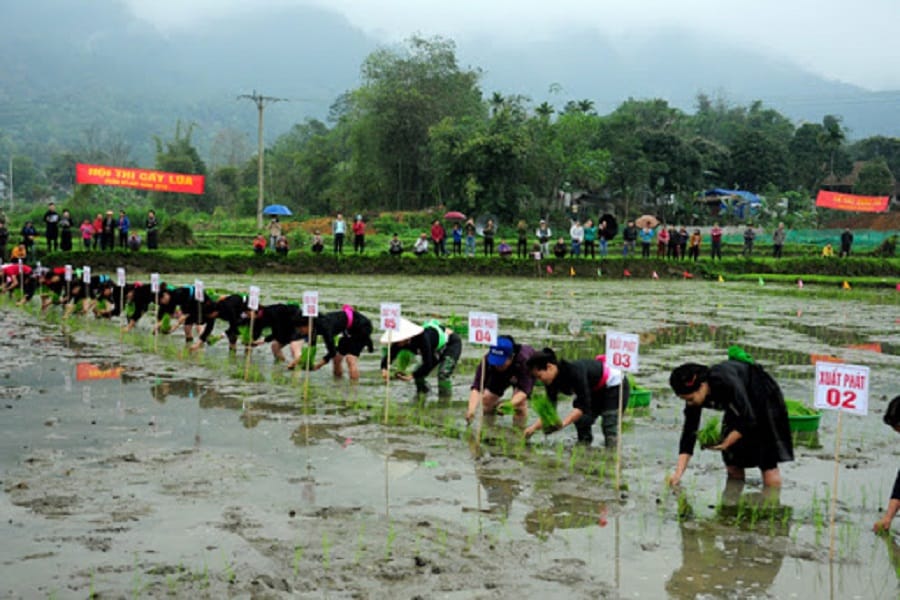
277, 209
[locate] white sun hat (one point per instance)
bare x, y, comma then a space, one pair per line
407, 330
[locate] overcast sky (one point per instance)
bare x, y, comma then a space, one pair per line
854, 42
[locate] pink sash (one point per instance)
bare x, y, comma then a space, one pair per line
348, 310
605, 377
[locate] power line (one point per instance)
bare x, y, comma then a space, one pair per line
261, 102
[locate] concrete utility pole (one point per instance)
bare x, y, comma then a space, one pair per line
260, 101
10, 183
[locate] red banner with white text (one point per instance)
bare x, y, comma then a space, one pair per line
142, 179
839, 201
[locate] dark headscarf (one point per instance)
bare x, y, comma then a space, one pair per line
892, 414
687, 378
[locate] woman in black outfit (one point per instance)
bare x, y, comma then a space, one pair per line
594, 386
755, 427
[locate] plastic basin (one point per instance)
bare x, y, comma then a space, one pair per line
801, 417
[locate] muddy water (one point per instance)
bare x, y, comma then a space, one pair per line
182, 479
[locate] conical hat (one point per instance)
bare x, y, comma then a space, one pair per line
407, 330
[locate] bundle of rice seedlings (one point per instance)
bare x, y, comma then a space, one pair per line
546, 411
711, 432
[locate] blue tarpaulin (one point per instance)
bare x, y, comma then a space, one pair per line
743, 203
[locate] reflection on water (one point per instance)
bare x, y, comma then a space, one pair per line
566, 512
161, 390
738, 554
846, 337
500, 491
737, 551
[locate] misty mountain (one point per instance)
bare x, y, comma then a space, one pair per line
92, 65
677, 65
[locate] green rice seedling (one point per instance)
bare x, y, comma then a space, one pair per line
229, 570
360, 543
205, 576
389, 541
326, 550
685, 510
442, 540
573, 458
138, 583
298, 556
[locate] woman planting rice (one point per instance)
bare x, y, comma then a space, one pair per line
755, 427
595, 387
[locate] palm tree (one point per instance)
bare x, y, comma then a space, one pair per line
832, 138
497, 102
544, 110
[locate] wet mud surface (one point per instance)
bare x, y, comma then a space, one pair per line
183, 478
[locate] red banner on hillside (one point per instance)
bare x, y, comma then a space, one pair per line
143, 179
852, 202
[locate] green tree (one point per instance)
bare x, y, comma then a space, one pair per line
875, 179
405, 93
879, 146
831, 139
179, 155
808, 157
757, 160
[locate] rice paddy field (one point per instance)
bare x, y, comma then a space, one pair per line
132, 467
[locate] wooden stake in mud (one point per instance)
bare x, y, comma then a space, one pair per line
479, 410
387, 380
86, 278
844, 388
309, 357
311, 310
622, 354
154, 287
120, 281
483, 330
253, 305
68, 277
390, 323
21, 278
834, 491
619, 434
198, 295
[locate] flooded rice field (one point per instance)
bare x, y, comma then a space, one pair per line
195, 475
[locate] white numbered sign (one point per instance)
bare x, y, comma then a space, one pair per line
86, 275
154, 282
311, 304
622, 350
253, 298
120, 277
482, 328
198, 290
68, 275
842, 387
390, 316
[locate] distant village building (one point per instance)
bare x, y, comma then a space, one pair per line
845, 184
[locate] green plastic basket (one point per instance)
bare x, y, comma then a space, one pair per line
639, 397
801, 417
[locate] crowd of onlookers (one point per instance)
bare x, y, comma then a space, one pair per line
63, 233
582, 240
